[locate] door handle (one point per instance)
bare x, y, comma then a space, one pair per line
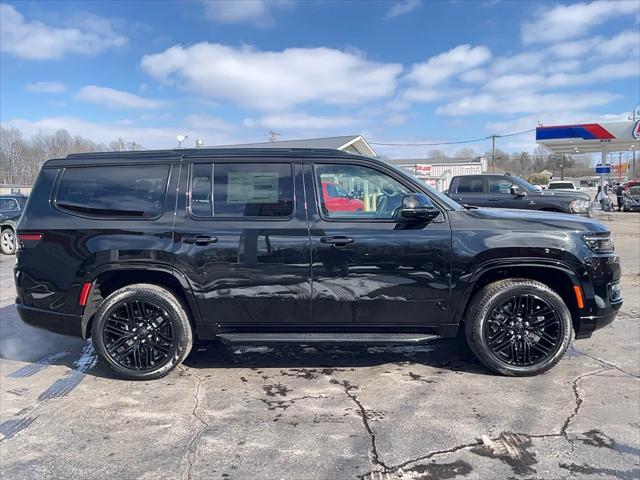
337, 241
201, 240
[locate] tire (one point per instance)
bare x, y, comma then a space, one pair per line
493, 322
138, 348
8, 241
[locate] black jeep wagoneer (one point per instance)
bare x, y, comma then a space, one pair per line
145, 251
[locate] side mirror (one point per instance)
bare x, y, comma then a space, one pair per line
418, 206
517, 191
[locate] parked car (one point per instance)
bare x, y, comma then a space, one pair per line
628, 185
337, 200
510, 191
145, 251
631, 199
561, 185
11, 207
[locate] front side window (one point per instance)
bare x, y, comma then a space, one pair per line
241, 190
356, 192
500, 185
8, 205
114, 191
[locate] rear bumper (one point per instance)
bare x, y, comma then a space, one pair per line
53, 321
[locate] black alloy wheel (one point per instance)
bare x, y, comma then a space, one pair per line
138, 335
142, 331
523, 330
518, 326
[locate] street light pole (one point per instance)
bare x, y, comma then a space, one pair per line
493, 153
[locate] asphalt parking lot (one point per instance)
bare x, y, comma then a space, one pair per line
430, 412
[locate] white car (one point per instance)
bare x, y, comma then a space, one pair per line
562, 185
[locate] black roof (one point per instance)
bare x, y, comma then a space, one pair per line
174, 154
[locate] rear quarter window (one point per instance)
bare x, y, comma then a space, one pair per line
113, 191
470, 185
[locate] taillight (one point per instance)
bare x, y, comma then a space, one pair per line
28, 240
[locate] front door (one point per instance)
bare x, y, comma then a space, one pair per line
501, 194
241, 237
372, 271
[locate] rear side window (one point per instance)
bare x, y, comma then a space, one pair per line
470, 185
241, 190
114, 191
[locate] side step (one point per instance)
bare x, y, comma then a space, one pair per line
327, 338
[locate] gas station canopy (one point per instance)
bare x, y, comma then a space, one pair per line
590, 137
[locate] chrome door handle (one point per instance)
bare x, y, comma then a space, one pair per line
337, 241
201, 240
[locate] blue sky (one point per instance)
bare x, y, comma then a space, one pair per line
399, 72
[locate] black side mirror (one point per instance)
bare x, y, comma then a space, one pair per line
517, 191
418, 206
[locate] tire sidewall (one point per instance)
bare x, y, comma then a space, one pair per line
178, 317
489, 298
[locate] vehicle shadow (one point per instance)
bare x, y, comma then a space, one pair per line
40, 348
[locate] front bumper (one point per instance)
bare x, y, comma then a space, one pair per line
62, 323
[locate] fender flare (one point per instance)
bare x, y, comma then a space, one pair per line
492, 265
182, 279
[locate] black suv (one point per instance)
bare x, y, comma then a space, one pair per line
11, 207
145, 251
510, 191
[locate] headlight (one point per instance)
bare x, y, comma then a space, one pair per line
599, 243
580, 206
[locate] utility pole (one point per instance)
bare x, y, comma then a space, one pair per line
493, 153
633, 162
273, 135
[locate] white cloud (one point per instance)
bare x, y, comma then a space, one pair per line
207, 122
45, 87
115, 98
524, 102
302, 121
273, 80
442, 67
402, 7
148, 137
563, 22
35, 40
527, 122
258, 12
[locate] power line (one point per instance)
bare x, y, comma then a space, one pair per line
452, 143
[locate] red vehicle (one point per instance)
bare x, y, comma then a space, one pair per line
627, 185
337, 200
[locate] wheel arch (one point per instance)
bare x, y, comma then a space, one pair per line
109, 278
559, 277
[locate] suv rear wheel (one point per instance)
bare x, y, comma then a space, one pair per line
8, 241
518, 327
142, 332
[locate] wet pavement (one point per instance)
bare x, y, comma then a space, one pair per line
429, 412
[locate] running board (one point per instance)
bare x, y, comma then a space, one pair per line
326, 338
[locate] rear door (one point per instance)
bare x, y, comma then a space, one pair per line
470, 191
241, 237
372, 272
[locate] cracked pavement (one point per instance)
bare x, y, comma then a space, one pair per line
427, 412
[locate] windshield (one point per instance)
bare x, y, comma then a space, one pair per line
561, 185
634, 190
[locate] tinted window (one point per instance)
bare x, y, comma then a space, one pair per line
561, 185
8, 204
352, 191
470, 185
121, 191
242, 190
500, 185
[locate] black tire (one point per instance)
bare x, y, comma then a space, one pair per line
493, 321
8, 241
137, 320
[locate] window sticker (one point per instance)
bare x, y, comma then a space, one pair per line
252, 187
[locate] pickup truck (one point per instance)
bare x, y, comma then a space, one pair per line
510, 191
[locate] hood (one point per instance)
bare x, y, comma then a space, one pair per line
568, 194
529, 220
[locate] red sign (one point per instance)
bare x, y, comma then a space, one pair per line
422, 169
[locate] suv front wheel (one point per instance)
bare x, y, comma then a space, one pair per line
142, 332
518, 327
